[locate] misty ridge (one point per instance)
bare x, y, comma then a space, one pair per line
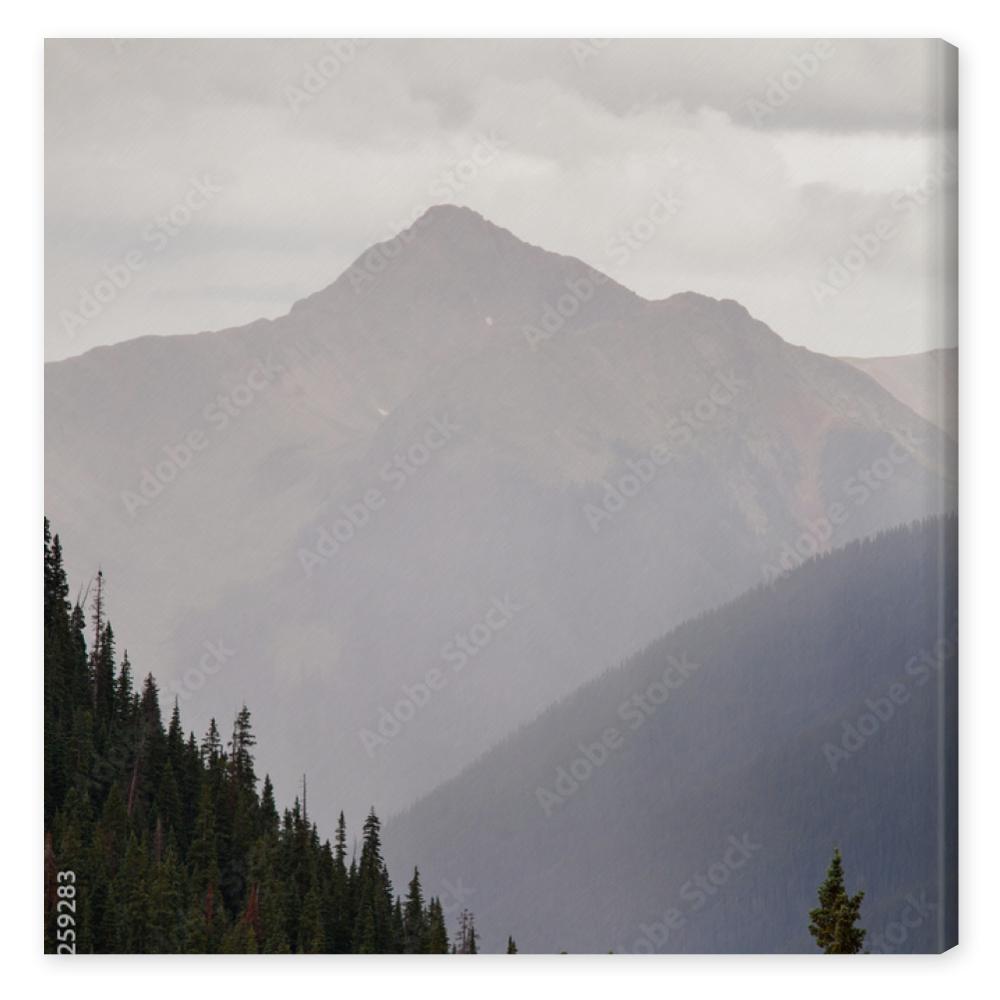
674, 804
417, 520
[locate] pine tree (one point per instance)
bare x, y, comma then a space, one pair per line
131, 894
268, 810
203, 860
414, 918
167, 805
152, 755
398, 933
273, 912
239, 940
340, 841
211, 745
206, 924
166, 910
437, 930
373, 923
104, 679
340, 892
241, 752
466, 938
190, 779
102, 660
312, 939
59, 687
123, 693
511, 946
175, 737
832, 923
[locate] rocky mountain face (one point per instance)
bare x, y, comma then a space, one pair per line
449, 489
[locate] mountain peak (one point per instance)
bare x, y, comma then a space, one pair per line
457, 250
448, 212
460, 226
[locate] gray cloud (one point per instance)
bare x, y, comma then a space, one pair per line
780, 154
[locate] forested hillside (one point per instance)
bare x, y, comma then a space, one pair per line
690, 800
812, 713
158, 842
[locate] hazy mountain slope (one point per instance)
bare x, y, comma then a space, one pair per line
573, 844
474, 460
927, 383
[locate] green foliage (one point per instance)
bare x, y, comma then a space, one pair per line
832, 923
415, 918
437, 931
172, 847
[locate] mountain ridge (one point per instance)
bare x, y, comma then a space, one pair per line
434, 217
225, 458
926, 381
765, 693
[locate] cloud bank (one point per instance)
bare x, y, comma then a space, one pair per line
195, 185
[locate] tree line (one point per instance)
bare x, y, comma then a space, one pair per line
161, 842
166, 840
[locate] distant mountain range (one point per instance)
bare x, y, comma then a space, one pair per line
927, 383
689, 801
451, 488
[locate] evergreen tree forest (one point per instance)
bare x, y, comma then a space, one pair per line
158, 842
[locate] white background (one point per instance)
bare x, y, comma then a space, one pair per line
974, 963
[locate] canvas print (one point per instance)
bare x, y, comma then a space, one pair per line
500, 496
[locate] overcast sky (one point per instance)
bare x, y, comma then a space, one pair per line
194, 185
